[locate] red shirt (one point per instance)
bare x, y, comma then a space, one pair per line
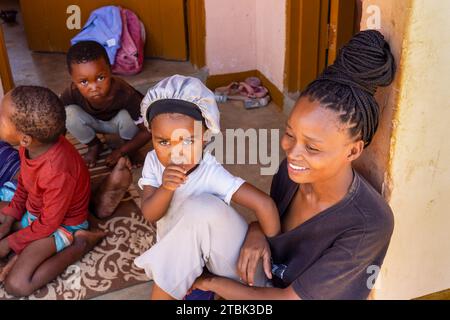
54, 187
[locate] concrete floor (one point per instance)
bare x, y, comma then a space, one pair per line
50, 70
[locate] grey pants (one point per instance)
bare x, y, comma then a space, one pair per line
84, 126
210, 233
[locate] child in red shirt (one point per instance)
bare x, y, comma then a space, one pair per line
52, 197
53, 189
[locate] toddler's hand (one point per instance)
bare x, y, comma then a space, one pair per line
173, 176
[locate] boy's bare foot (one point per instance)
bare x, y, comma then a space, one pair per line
92, 154
113, 188
7, 268
136, 165
137, 159
92, 237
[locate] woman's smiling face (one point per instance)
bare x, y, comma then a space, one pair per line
317, 144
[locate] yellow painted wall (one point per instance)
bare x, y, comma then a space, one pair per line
394, 18
418, 260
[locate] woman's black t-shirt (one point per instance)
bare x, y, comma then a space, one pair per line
338, 253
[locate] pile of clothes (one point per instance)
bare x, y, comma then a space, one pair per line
122, 34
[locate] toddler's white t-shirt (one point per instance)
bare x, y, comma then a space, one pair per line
209, 177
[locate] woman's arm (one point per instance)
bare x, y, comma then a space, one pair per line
233, 290
262, 205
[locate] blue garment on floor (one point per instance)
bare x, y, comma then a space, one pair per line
105, 27
9, 162
200, 295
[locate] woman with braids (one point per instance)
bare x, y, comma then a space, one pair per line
335, 227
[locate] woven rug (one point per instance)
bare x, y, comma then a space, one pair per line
109, 266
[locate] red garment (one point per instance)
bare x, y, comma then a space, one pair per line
55, 187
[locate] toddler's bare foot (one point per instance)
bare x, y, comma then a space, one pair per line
113, 188
92, 154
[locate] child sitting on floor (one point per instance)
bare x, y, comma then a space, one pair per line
187, 192
97, 102
52, 196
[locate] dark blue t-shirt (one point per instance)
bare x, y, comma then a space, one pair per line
9, 162
335, 254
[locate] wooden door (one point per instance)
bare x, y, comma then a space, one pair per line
7, 80
316, 29
306, 41
164, 21
196, 17
341, 26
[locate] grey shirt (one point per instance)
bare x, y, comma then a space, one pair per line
337, 253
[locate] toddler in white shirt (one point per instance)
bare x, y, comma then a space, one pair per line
188, 193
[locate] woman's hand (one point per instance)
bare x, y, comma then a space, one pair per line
255, 247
